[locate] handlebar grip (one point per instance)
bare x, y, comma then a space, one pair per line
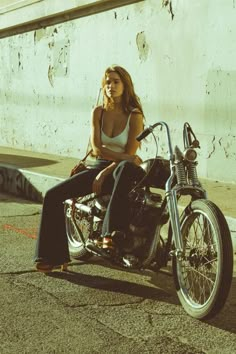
144, 133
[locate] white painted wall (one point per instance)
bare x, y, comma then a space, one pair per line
184, 69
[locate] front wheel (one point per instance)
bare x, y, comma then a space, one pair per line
203, 275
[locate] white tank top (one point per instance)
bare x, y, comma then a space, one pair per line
118, 142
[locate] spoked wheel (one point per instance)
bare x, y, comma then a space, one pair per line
203, 276
75, 235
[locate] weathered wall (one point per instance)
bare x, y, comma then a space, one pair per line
182, 59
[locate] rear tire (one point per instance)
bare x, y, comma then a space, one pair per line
203, 277
75, 234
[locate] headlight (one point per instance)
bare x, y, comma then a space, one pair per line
190, 154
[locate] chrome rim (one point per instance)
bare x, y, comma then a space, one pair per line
199, 270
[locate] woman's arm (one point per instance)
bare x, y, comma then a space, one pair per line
95, 136
135, 128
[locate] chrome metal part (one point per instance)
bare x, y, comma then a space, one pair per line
180, 173
192, 174
174, 218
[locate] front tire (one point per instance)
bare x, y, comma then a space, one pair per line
203, 276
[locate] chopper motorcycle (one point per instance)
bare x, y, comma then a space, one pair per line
197, 242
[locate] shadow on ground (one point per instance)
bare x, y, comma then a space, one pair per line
226, 319
164, 291
115, 285
24, 161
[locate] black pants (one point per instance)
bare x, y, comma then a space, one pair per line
52, 246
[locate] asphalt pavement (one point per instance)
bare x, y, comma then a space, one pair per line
94, 307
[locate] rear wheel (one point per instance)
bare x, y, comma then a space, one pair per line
203, 276
75, 235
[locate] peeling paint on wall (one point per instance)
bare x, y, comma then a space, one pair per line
60, 55
38, 35
44, 33
51, 75
168, 5
142, 45
228, 144
220, 87
213, 148
220, 124
16, 60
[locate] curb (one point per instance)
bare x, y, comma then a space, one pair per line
24, 183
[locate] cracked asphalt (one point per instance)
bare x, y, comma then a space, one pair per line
94, 308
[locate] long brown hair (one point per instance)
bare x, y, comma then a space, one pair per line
130, 100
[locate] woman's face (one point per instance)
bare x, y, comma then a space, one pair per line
114, 87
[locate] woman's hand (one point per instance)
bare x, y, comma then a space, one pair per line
101, 176
134, 159
98, 182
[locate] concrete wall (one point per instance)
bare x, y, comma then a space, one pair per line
182, 57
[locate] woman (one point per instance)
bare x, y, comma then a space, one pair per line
115, 126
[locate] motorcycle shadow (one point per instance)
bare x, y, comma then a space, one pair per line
160, 289
226, 319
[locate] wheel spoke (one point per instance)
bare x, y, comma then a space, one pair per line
198, 285
199, 268
197, 272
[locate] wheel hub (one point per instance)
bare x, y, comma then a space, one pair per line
195, 259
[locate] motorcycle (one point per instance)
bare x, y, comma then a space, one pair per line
197, 238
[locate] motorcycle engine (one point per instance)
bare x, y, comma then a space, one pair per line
145, 211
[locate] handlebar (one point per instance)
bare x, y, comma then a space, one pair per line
144, 133
189, 137
150, 129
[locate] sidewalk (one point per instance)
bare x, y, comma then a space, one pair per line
31, 174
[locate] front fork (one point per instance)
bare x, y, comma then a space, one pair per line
175, 223
172, 203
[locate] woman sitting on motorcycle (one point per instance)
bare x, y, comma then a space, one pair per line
114, 129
